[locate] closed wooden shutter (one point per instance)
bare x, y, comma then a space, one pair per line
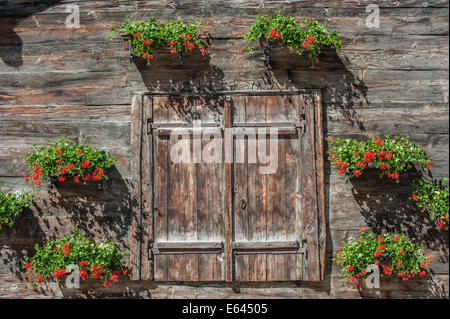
228, 221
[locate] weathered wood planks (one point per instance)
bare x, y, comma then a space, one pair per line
72, 83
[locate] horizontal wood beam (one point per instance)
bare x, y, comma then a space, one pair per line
179, 248
268, 247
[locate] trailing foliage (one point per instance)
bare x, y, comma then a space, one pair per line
393, 254
57, 257
63, 159
12, 205
302, 36
392, 156
435, 197
153, 35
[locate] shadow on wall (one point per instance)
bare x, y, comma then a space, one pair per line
385, 205
195, 73
341, 89
11, 14
99, 214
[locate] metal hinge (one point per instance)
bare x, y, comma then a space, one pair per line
299, 124
268, 247
163, 127
183, 248
150, 251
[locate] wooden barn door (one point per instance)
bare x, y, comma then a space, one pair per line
257, 218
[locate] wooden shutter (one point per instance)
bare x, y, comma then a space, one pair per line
276, 231
225, 221
188, 209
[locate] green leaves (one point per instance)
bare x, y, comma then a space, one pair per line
102, 261
302, 37
12, 205
393, 254
435, 197
64, 159
154, 35
392, 156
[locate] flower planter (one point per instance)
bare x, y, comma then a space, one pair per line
307, 37
269, 47
392, 254
392, 156
54, 181
75, 253
128, 46
63, 161
143, 38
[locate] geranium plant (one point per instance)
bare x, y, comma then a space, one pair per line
147, 37
435, 197
63, 160
57, 257
393, 254
392, 156
299, 36
12, 205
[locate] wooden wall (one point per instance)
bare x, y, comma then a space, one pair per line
57, 82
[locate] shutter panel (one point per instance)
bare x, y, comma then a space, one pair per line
267, 242
188, 213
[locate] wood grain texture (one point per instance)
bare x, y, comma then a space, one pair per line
58, 82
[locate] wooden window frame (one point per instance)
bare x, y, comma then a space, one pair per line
141, 193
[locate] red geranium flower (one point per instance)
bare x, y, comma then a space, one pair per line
97, 173
350, 268
83, 273
29, 265
368, 156
378, 142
